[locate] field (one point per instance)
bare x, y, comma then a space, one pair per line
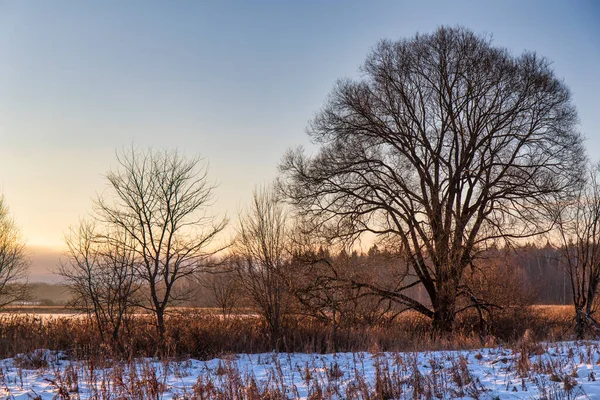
551, 371
47, 353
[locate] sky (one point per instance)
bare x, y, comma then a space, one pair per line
233, 81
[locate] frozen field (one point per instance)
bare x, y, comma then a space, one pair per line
554, 371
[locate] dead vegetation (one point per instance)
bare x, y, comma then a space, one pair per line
540, 370
205, 335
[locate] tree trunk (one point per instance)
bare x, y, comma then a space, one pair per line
334, 334
444, 306
160, 326
580, 322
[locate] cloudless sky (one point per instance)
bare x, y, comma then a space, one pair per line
233, 81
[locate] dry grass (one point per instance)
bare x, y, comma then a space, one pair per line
542, 370
397, 377
205, 335
37, 309
119, 370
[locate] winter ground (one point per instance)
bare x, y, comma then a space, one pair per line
562, 370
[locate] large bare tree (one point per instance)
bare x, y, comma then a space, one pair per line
445, 144
578, 228
13, 260
160, 199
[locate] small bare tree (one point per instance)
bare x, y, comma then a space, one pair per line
160, 199
13, 260
340, 288
224, 286
578, 227
261, 256
101, 275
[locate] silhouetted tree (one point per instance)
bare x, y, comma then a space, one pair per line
446, 144
578, 227
261, 254
224, 285
160, 200
13, 260
100, 273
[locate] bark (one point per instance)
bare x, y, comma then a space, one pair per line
444, 307
160, 326
580, 322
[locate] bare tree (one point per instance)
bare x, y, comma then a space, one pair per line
224, 286
446, 144
100, 272
578, 227
261, 254
161, 200
13, 260
502, 292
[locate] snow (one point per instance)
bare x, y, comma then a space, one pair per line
560, 370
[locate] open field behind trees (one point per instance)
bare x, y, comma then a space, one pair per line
206, 334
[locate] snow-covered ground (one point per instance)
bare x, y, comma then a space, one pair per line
562, 370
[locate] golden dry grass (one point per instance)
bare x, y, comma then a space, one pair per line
204, 334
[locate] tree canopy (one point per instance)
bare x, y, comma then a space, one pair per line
444, 145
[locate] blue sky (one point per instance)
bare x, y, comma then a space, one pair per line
233, 81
